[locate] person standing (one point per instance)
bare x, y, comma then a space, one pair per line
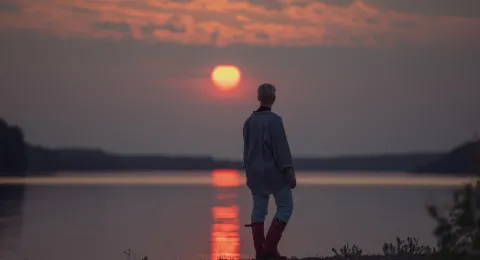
269, 171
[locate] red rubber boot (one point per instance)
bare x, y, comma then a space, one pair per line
273, 238
258, 234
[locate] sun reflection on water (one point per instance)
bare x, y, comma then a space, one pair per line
225, 239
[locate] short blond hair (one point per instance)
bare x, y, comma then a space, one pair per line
266, 93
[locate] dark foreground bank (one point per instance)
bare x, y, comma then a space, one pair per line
380, 257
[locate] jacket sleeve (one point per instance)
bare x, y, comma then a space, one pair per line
245, 144
281, 148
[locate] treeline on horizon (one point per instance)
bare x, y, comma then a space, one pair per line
13, 150
19, 158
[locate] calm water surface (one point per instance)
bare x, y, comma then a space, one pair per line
201, 215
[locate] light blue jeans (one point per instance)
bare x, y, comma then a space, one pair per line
283, 200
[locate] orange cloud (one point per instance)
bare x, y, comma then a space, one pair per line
226, 22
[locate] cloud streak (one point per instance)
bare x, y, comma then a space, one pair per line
250, 22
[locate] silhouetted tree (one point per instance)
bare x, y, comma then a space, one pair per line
458, 229
13, 150
476, 159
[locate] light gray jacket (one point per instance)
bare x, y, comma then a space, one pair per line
266, 153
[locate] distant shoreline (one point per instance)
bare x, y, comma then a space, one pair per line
91, 160
20, 158
460, 161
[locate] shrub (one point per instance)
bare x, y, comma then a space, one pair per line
349, 252
406, 249
458, 229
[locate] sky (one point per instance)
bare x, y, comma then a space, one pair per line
133, 76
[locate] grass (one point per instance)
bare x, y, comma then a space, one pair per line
408, 249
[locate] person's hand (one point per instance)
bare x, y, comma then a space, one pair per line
291, 179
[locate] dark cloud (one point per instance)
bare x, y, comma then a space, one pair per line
81, 10
138, 5
112, 26
268, 4
175, 25
149, 29
372, 20
342, 3
460, 8
10, 8
404, 24
262, 36
337, 2
369, 20
172, 27
215, 35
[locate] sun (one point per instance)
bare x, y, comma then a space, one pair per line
226, 77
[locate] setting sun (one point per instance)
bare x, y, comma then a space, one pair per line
226, 77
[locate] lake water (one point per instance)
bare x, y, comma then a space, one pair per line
181, 216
